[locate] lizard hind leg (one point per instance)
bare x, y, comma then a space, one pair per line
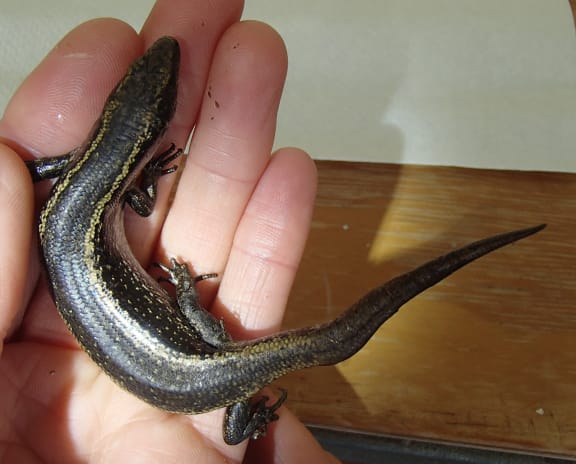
210, 328
244, 420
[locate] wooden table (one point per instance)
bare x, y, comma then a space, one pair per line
487, 357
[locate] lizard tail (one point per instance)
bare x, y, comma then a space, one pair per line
339, 339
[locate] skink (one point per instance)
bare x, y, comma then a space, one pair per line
171, 352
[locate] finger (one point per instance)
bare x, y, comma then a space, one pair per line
230, 148
198, 25
268, 245
16, 206
267, 249
55, 107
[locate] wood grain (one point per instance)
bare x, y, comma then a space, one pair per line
487, 357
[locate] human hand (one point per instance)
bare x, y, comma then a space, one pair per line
237, 211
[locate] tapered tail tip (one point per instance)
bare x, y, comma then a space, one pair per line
532, 230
